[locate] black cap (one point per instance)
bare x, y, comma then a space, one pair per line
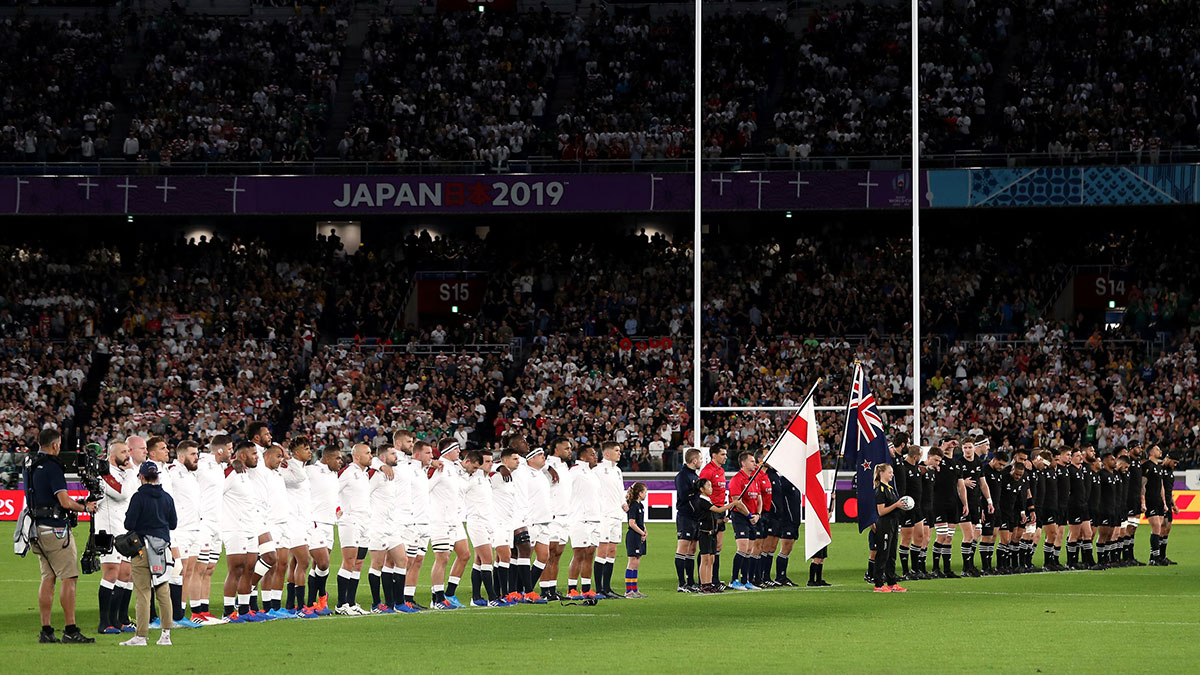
1175, 455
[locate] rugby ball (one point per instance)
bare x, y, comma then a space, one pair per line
907, 503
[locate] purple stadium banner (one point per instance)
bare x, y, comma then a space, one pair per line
525, 193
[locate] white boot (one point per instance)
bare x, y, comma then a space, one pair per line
165, 639
134, 641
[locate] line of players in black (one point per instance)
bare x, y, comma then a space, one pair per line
1004, 505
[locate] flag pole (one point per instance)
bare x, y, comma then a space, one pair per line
845, 427
811, 393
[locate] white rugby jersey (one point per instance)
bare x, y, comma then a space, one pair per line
536, 486
560, 492
110, 512
323, 489
419, 504
612, 490
240, 501
186, 493
299, 494
520, 496
385, 494
354, 494
477, 498
210, 479
403, 511
445, 494
504, 497
585, 494
279, 507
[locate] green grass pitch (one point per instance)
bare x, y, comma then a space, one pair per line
1126, 620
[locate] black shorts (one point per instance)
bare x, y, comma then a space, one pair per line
742, 529
870, 540
973, 515
947, 515
786, 530
1153, 510
1169, 515
1134, 512
708, 544
686, 529
768, 526
912, 518
721, 525
822, 554
1078, 515
1048, 517
635, 546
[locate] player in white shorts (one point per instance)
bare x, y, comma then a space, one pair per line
185, 490
504, 496
536, 486
323, 488
519, 575
260, 434
585, 522
558, 473
612, 517
241, 544
300, 521
479, 510
385, 544
445, 527
110, 519
354, 499
210, 477
462, 548
278, 516
418, 515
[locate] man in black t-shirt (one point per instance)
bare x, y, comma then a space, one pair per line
55, 544
925, 530
949, 504
1154, 501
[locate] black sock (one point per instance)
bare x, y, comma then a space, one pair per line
70, 629
452, 588
679, 569
253, 599
476, 583
48, 630
291, 595
343, 585
689, 568
126, 597
781, 565
536, 576
375, 581
313, 588
114, 607
937, 558
1087, 553
737, 566
153, 607
489, 584
716, 575
387, 583
299, 597
812, 572
820, 571
870, 568
106, 595
903, 553
1162, 547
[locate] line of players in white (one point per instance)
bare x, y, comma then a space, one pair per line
273, 511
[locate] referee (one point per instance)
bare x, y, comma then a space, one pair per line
54, 546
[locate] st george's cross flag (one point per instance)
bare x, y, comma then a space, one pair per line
864, 446
797, 457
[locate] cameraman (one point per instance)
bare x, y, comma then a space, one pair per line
54, 546
151, 514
